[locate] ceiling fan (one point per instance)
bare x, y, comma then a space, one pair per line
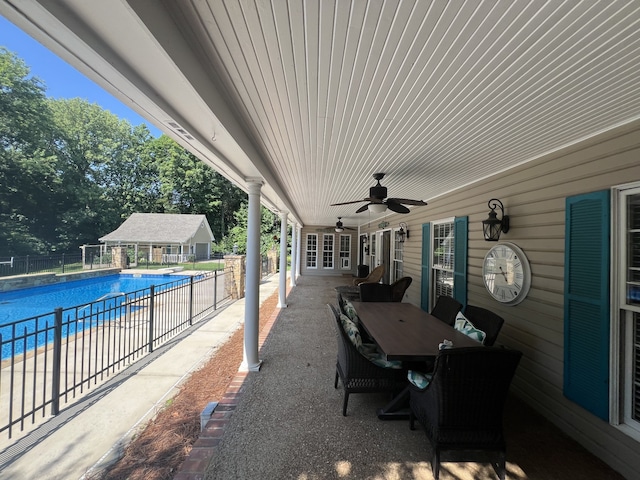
378, 201
340, 226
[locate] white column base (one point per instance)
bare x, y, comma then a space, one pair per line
244, 367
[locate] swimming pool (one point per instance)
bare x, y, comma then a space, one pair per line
29, 302
86, 303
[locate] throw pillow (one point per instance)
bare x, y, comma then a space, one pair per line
379, 359
463, 325
350, 310
352, 331
419, 379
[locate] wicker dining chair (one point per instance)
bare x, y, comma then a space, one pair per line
487, 321
446, 309
357, 374
399, 287
374, 276
462, 406
375, 292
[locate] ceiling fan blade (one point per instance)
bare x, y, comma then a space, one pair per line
406, 201
396, 207
363, 208
347, 203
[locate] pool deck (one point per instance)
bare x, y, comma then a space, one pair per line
93, 431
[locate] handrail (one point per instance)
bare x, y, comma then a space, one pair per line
104, 297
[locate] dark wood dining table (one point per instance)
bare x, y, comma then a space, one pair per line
405, 332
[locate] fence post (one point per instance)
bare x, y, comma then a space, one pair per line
151, 319
215, 289
57, 361
27, 266
190, 300
63, 263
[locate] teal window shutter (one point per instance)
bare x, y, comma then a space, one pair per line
426, 262
586, 301
460, 228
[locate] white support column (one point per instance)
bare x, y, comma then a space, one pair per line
251, 362
282, 284
299, 251
294, 255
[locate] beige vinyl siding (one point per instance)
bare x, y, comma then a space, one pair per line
534, 198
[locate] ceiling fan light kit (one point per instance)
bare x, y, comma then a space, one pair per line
377, 207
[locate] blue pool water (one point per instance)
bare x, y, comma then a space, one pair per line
41, 301
30, 302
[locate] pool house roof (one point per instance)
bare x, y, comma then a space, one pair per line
159, 228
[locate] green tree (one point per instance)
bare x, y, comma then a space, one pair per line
237, 236
71, 171
187, 185
99, 164
28, 171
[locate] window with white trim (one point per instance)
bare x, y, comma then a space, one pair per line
442, 260
372, 250
327, 251
345, 252
398, 257
312, 250
628, 327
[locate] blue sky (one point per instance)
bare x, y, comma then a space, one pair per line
61, 79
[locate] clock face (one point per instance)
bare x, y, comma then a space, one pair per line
506, 273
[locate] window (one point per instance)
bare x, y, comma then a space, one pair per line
398, 257
628, 328
442, 261
327, 251
372, 249
345, 252
312, 250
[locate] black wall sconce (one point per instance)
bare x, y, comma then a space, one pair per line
403, 232
364, 240
492, 226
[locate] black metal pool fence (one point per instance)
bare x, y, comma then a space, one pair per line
50, 359
63, 263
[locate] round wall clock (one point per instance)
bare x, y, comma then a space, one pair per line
506, 273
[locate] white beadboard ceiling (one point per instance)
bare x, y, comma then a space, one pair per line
312, 97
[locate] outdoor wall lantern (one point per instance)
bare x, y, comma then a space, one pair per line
403, 232
492, 226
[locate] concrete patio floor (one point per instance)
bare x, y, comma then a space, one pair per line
285, 422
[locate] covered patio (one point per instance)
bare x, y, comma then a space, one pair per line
286, 420
530, 106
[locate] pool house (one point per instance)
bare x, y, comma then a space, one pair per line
163, 237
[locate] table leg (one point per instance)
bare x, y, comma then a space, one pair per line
397, 408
